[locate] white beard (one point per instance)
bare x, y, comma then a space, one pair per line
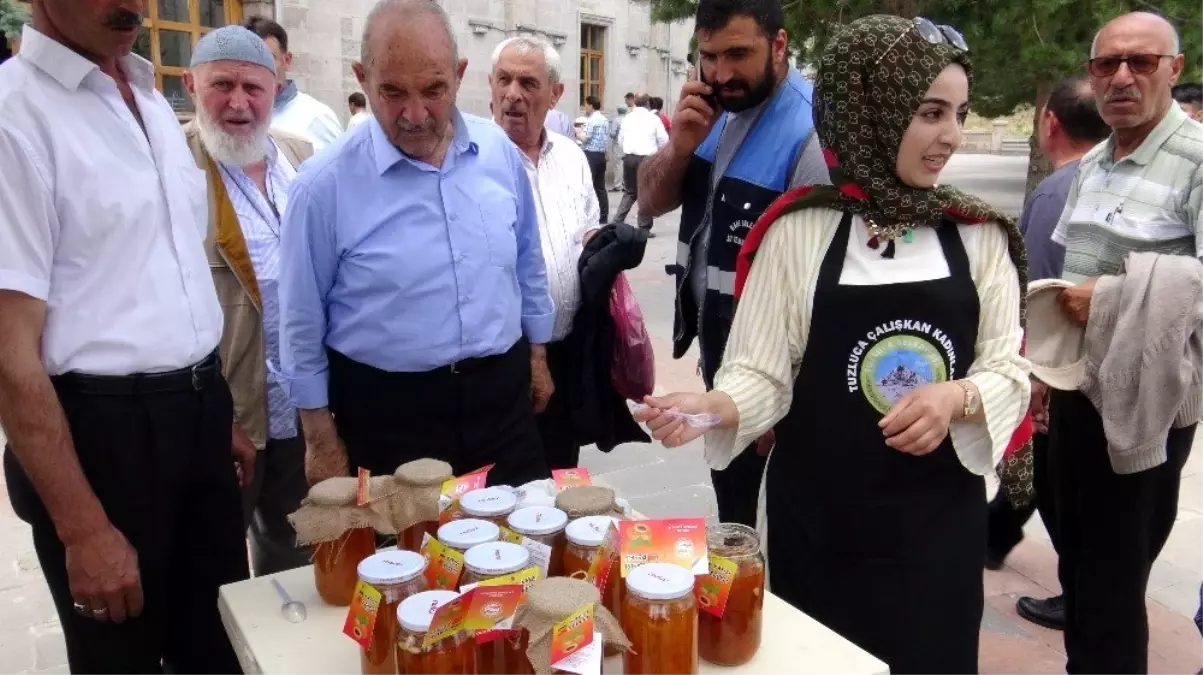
232, 150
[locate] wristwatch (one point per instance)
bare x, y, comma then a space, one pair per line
972, 401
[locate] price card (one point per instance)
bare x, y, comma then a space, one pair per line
492, 609
456, 488
448, 620
586, 661
570, 478
603, 562
361, 618
678, 541
362, 492
572, 634
713, 589
444, 565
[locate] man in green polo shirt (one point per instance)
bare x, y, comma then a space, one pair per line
1140, 190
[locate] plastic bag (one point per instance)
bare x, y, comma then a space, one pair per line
633, 371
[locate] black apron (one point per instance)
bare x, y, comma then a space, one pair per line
883, 547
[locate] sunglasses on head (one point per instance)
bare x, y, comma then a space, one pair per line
1140, 64
934, 34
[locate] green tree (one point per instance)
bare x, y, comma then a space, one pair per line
12, 18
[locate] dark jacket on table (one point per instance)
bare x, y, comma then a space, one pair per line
600, 414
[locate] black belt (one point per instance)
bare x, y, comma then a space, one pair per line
193, 378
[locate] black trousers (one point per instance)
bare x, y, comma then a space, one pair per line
1111, 528
737, 488
630, 190
160, 464
556, 429
477, 413
1004, 528
277, 489
597, 167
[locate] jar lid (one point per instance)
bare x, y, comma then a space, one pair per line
417, 611
732, 540
391, 567
590, 530
488, 502
336, 491
538, 520
660, 581
424, 472
468, 532
587, 500
496, 557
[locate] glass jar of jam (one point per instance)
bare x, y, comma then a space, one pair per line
418, 484
493, 504
660, 619
506, 654
585, 537
397, 575
454, 655
733, 638
544, 524
462, 535
335, 564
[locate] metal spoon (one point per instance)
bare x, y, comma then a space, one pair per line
292, 610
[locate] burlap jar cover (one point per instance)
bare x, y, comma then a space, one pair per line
415, 497
329, 510
588, 500
549, 602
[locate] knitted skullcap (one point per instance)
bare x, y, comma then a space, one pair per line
233, 43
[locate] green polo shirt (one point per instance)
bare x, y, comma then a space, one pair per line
1151, 200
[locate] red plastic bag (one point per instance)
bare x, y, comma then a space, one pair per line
633, 372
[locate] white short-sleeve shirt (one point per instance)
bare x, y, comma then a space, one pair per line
102, 221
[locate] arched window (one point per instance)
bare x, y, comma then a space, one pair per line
169, 33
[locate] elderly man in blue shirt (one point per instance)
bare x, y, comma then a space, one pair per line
414, 300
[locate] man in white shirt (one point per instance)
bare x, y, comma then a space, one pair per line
357, 103
525, 84
119, 421
642, 134
295, 111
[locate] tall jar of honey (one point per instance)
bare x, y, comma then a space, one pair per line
544, 524
733, 638
450, 656
507, 654
415, 501
342, 535
493, 504
552, 601
660, 618
462, 535
396, 575
585, 537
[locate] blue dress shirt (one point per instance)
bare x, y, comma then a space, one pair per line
407, 267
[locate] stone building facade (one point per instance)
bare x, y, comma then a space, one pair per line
610, 45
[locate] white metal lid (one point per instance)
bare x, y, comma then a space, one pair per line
590, 530
468, 532
415, 612
391, 567
488, 502
660, 581
497, 557
538, 520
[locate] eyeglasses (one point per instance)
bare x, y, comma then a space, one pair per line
934, 34
1140, 64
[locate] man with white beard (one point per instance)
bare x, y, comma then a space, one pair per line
232, 81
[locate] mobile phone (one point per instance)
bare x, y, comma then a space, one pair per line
710, 98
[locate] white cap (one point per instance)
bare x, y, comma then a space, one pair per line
391, 567
488, 502
590, 530
497, 557
415, 612
468, 532
660, 581
538, 520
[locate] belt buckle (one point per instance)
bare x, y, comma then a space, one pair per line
455, 367
196, 383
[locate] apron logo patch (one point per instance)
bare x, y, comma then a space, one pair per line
888, 363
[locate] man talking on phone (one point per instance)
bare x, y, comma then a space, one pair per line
742, 134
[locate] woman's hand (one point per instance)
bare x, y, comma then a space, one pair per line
919, 422
672, 431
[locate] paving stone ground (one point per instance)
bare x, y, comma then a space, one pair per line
662, 482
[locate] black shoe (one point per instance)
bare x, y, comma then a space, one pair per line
1047, 612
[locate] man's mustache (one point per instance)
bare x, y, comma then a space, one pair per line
1129, 93
123, 18
426, 125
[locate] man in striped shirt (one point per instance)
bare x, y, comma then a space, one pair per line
597, 137
1141, 190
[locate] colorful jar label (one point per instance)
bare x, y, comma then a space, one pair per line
572, 634
713, 589
444, 565
570, 478
678, 541
361, 617
454, 489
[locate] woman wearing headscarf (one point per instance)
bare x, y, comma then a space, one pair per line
879, 334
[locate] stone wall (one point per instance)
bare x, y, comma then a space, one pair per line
324, 37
